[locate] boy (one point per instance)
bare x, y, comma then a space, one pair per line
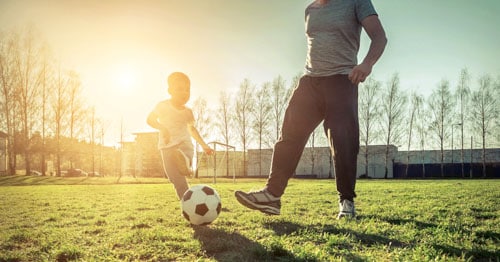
175, 122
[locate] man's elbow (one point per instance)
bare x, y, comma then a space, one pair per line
383, 40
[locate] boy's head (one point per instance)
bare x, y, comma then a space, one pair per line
179, 88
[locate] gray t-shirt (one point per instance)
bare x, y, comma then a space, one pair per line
333, 31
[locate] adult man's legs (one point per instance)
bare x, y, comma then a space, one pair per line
303, 114
342, 127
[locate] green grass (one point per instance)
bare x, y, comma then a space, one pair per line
94, 219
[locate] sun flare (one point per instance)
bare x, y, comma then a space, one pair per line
125, 79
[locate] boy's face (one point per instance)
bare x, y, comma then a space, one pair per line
180, 92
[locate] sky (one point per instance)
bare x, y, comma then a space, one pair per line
124, 50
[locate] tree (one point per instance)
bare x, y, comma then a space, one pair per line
26, 61
76, 113
392, 114
224, 118
262, 116
484, 111
44, 80
59, 103
244, 108
462, 95
224, 122
415, 109
441, 106
422, 128
369, 113
202, 124
279, 97
8, 93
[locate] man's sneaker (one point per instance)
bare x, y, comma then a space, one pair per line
182, 162
346, 209
261, 200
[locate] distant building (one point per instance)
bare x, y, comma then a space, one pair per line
317, 163
142, 158
128, 159
3, 153
145, 159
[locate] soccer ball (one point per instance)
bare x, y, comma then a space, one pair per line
201, 205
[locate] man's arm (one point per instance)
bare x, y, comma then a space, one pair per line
376, 32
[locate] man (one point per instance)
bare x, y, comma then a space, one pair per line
327, 92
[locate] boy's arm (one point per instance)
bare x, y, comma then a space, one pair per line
152, 121
196, 135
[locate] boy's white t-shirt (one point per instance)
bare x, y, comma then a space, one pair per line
176, 121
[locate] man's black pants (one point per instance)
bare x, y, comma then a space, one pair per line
333, 100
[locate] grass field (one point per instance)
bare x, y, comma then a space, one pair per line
94, 219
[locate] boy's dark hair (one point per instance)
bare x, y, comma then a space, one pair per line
176, 77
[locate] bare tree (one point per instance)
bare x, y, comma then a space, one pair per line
279, 96
484, 111
224, 122
27, 65
59, 103
415, 108
224, 117
202, 123
462, 95
244, 108
441, 106
76, 113
496, 130
392, 115
422, 128
44, 80
8, 93
262, 116
93, 125
369, 113
317, 138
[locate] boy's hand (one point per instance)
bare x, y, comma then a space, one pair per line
166, 136
208, 150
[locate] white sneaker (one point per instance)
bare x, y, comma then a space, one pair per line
346, 209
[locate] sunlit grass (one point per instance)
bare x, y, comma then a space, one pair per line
140, 219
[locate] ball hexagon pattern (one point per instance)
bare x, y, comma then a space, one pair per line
201, 205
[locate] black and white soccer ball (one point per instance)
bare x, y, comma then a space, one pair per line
201, 205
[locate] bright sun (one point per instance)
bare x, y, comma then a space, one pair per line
125, 79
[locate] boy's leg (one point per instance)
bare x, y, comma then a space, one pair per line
342, 126
171, 171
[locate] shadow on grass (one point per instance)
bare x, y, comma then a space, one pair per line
400, 221
475, 253
286, 228
232, 246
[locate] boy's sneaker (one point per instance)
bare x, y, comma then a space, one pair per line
346, 209
261, 200
182, 163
